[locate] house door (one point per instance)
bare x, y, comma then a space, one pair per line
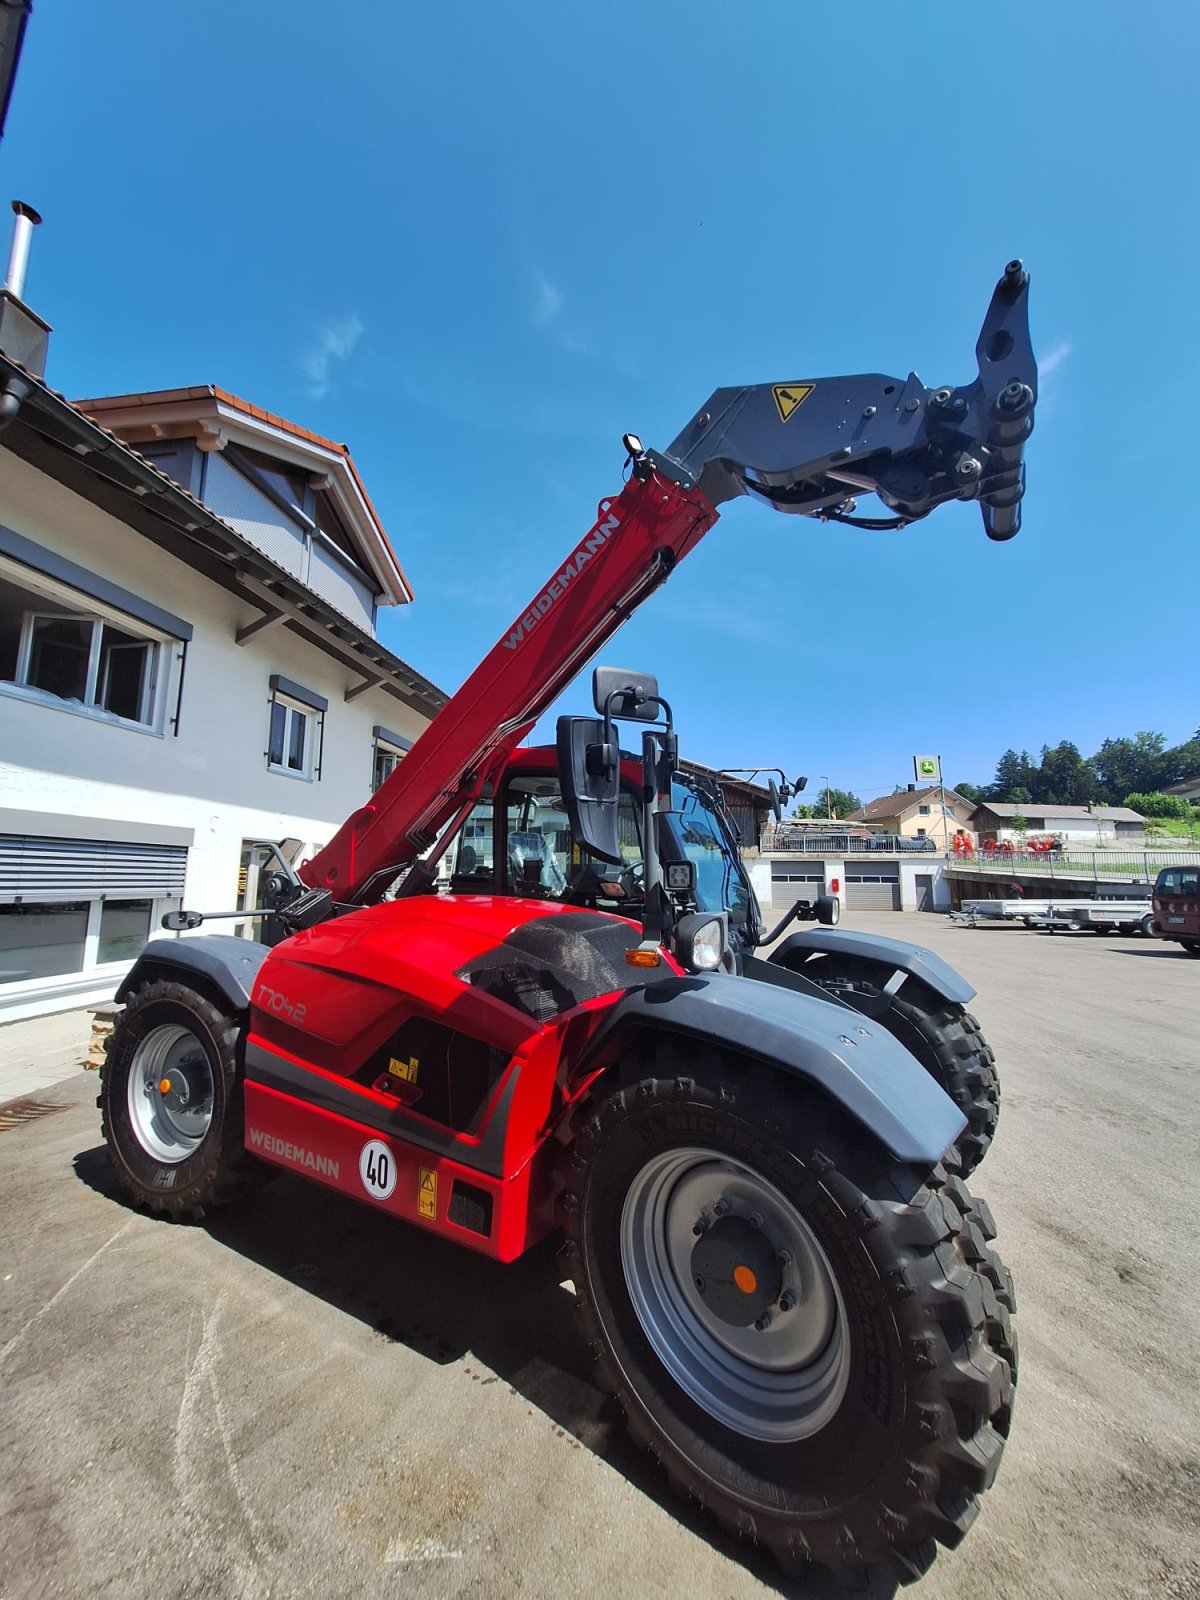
924, 882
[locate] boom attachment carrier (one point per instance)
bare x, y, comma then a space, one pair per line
805, 447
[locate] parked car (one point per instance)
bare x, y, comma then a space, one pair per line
1175, 905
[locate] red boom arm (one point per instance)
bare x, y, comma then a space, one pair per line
797, 446
630, 549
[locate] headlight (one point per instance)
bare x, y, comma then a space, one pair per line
701, 942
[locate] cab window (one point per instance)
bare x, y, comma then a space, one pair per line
718, 884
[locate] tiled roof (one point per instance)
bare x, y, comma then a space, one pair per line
363, 644
99, 404
1031, 808
895, 805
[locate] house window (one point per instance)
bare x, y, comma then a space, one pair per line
58, 648
296, 729
389, 750
923, 811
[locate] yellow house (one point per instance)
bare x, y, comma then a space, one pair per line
918, 813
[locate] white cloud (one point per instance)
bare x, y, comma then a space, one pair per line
1053, 358
549, 301
334, 342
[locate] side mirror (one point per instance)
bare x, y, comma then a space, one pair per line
776, 800
589, 772
181, 921
636, 694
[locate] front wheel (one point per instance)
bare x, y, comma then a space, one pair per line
944, 1037
171, 1102
814, 1340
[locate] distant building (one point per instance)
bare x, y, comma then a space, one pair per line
1095, 825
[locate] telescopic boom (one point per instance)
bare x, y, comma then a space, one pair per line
807, 447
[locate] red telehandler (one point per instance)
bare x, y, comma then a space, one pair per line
786, 1283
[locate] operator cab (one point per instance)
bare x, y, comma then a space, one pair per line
537, 839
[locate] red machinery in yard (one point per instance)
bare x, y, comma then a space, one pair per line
787, 1285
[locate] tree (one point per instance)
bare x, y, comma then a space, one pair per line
1181, 760
1127, 766
969, 791
1160, 805
1013, 772
1064, 777
1018, 824
836, 803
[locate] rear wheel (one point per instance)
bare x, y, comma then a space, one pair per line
813, 1339
171, 1102
945, 1038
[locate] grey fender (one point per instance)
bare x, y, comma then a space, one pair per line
857, 1063
912, 959
229, 963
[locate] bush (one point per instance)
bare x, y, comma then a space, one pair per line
1160, 805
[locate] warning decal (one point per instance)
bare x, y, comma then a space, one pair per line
427, 1192
405, 1070
790, 397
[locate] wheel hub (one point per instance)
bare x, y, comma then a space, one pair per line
170, 1093
736, 1271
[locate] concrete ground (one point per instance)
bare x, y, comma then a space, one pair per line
306, 1398
40, 1051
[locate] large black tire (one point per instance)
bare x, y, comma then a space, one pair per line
180, 1152
911, 1394
944, 1037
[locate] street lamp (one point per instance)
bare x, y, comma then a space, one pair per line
828, 798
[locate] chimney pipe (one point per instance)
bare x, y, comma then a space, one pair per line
18, 258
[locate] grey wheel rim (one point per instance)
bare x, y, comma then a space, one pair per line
780, 1382
170, 1093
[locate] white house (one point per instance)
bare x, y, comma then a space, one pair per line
188, 663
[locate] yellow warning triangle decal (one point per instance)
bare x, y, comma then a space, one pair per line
428, 1181
790, 397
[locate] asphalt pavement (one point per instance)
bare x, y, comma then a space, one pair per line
306, 1398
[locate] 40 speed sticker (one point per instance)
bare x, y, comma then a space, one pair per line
377, 1169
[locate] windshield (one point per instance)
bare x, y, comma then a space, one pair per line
720, 883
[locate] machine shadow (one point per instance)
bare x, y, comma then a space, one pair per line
448, 1304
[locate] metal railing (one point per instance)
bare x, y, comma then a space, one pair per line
1129, 865
775, 842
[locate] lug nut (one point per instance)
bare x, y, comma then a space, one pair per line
784, 1258
755, 1219
700, 1227
763, 1323
721, 1207
787, 1301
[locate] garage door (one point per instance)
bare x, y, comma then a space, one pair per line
873, 889
792, 881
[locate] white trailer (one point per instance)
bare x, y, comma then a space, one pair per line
1101, 916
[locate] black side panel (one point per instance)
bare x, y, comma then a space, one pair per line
548, 966
229, 963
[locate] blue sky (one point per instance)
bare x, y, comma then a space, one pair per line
480, 242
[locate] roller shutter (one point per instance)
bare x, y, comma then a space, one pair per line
47, 870
873, 888
795, 880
